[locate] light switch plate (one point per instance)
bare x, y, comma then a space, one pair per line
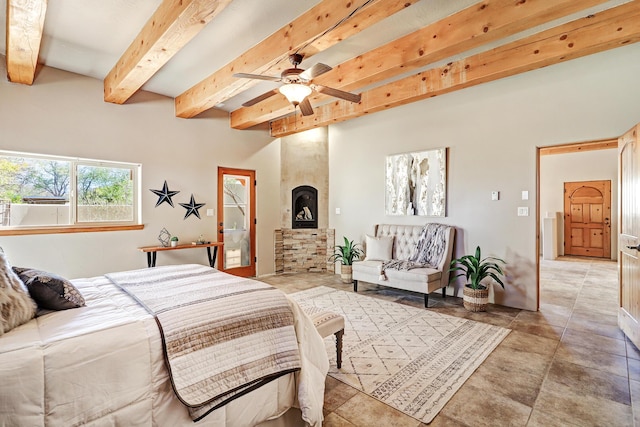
209, 212
495, 195
337, 211
523, 211
525, 195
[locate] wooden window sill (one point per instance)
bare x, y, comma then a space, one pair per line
69, 229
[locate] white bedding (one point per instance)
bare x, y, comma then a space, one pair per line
102, 365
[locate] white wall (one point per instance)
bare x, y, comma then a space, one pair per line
64, 114
492, 132
557, 169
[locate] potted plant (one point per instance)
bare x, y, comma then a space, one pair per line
476, 270
174, 241
346, 254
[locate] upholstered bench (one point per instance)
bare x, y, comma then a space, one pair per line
327, 323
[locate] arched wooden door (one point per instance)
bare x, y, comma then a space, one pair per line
587, 218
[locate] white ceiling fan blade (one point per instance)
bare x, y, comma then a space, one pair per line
347, 96
315, 71
256, 76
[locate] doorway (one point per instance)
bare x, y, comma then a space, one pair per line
237, 221
580, 162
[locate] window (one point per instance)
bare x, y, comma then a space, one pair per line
57, 192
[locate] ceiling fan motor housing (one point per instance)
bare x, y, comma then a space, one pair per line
292, 75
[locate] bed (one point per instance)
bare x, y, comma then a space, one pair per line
104, 365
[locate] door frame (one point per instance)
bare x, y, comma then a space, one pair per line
250, 270
560, 149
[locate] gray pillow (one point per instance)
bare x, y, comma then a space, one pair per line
50, 291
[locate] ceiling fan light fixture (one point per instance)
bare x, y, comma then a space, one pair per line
295, 92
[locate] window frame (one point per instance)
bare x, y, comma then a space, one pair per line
76, 226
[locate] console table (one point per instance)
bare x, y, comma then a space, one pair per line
153, 250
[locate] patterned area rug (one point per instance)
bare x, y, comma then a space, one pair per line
410, 358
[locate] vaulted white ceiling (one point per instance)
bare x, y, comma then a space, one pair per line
392, 52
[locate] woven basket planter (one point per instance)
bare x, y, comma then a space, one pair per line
346, 273
475, 299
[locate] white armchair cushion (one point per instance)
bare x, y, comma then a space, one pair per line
378, 248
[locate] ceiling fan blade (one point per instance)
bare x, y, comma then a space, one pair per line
315, 71
347, 96
305, 107
256, 76
260, 98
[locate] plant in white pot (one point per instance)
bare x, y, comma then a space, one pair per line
174, 241
477, 270
346, 254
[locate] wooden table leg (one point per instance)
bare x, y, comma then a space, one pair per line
151, 259
212, 259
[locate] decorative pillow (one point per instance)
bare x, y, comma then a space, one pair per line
378, 248
50, 291
16, 307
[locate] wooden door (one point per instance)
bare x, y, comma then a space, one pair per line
587, 218
237, 221
629, 251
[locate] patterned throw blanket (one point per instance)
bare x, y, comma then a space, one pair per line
223, 336
429, 251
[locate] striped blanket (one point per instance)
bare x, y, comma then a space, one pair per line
223, 335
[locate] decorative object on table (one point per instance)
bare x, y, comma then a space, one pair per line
174, 241
192, 207
416, 183
346, 254
432, 354
164, 237
200, 241
476, 270
164, 195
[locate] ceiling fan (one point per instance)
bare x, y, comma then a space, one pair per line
297, 85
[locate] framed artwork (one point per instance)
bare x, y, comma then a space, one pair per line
416, 183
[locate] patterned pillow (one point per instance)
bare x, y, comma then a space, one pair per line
50, 291
16, 307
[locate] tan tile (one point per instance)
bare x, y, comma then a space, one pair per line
635, 398
594, 342
513, 361
610, 318
569, 406
530, 343
335, 420
539, 329
494, 377
634, 369
362, 410
475, 407
590, 382
593, 327
336, 393
543, 318
632, 351
607, 362
442, 420
542, 419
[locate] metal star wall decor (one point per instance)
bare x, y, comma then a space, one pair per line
192, 207
164, 195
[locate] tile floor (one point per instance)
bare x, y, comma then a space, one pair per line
566, 365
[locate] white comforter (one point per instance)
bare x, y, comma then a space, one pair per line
103, 365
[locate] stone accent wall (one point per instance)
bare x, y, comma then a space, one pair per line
304, 250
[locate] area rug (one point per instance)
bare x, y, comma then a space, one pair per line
412, 359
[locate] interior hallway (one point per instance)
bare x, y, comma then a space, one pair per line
566, 365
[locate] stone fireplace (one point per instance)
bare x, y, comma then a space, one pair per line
304, 242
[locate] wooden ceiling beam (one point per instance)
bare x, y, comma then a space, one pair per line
169, 29
271, 55
25, 23
470, 28
606, 30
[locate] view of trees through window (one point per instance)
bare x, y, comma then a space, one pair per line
40, 191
